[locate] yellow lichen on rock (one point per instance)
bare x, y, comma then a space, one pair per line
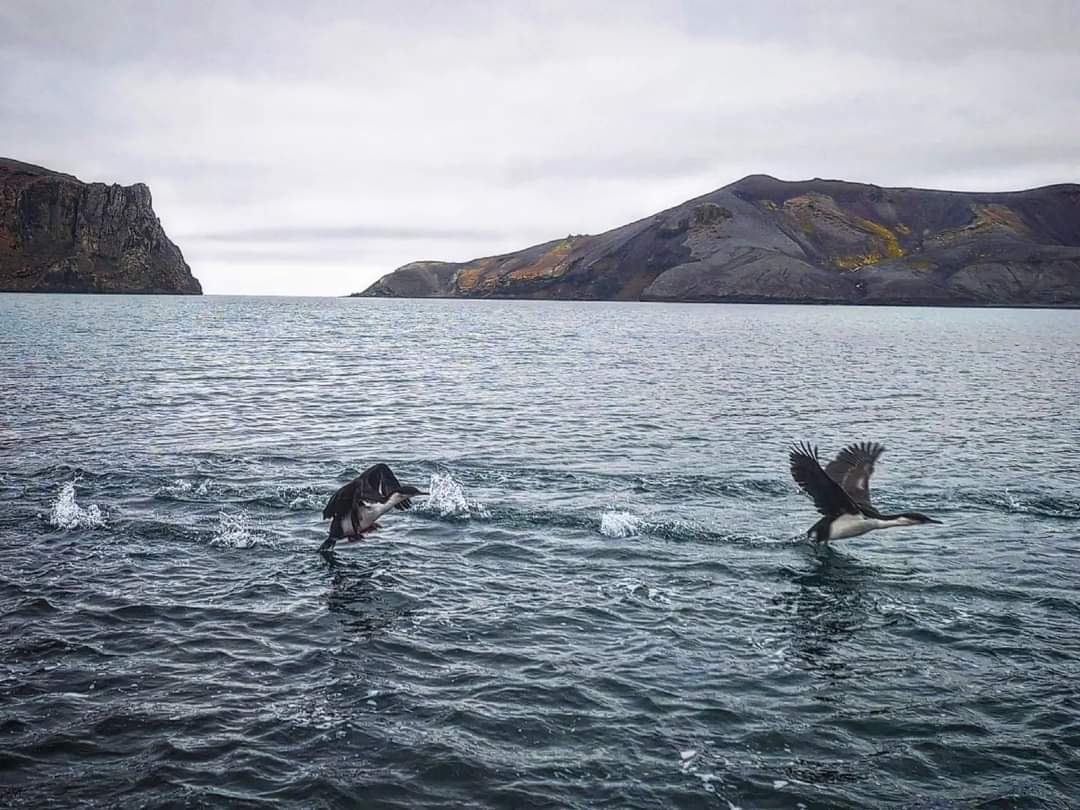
471, 276
891, 243
551, 265
856, 260
1000, 216
883, 245
986, 217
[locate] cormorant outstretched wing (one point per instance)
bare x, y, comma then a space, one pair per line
852, 469
829, 498
374, 485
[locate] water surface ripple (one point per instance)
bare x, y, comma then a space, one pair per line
604, 604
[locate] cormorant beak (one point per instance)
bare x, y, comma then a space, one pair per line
931, 520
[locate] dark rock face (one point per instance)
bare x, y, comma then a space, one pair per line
819, 241
58, 234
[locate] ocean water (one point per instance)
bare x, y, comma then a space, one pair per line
606, 601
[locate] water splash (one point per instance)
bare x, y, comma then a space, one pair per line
614, 523
305, 503
235, 531
1043, 506
635, 590
300, 499
67, 514
447, 499
181, 489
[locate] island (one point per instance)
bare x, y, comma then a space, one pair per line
764, 240
60, 235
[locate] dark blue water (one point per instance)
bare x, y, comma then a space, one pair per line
605, 603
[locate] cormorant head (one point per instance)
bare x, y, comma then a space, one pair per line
918, 518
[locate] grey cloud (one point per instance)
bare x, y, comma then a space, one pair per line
365, 134
340, 234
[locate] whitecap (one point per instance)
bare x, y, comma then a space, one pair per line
67, 514
620, 524
304, 503
235, 531
181, 488
635, 589
447, 498
707, 780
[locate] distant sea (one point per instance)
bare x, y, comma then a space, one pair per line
607, 601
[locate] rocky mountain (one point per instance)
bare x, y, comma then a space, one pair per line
819, 241
58, 234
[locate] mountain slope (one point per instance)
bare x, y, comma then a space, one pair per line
58, 234
818, 241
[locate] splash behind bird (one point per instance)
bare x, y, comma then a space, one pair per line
354, 509
841, 492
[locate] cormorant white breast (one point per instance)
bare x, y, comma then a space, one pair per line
841, 492
354, 508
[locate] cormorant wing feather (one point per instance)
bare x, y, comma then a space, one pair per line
374, 485
852, 469
829, 498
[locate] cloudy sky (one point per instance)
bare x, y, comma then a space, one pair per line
308, 148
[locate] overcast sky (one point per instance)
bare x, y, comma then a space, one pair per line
308, 148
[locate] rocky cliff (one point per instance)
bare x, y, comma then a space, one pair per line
58, 234
819, 241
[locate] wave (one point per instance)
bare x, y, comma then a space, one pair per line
449, 498
67, 514
594, 480
635, 590
305, 498
1050, 506
182, 490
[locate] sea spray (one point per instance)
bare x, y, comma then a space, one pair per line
67, 514
181, 489
614, 523
447, 498
636, 590
234, 530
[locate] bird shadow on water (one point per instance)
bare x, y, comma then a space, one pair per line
358, 595
829, 605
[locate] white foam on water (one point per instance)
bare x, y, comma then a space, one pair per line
304, 501
67, 514
447, 498
635, 589
614, 523
180, 487
235, 531
707, 780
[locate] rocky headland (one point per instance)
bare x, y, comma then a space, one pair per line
58, 234
765, 240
